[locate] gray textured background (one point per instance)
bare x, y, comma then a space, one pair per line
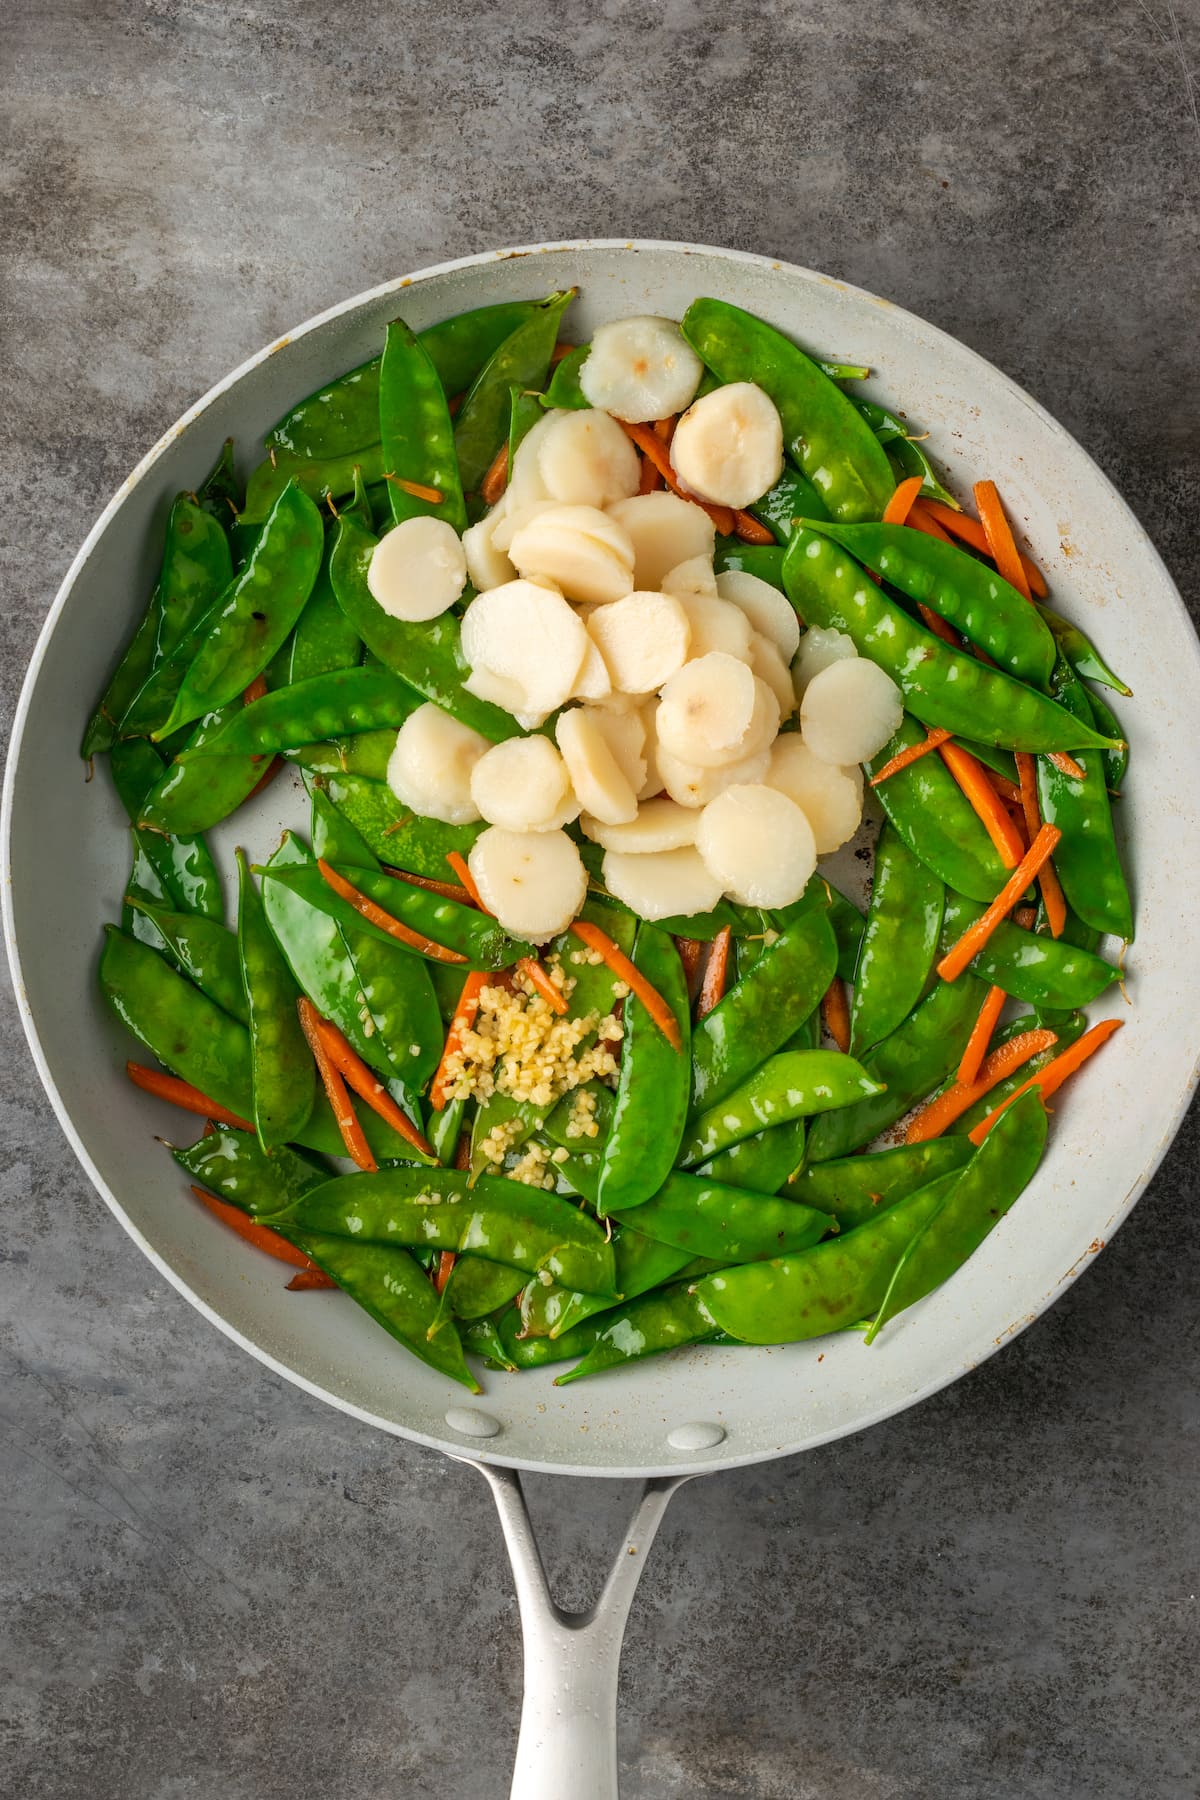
212, 1584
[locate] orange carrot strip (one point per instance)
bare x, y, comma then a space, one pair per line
922, 520
261, 1236
1025, 917
460, 1024
665, 428
441, 1274
449, 890
458, 863
417, 489
976, 936
934, 739
835, 1013
268, 775
750, 529
938, 625
716, 972
454, 404
649, 480
535, 973
1052, 894
972, 778
375, 915
305, 1279
981, 1036
357, 1147
1002, 546
652, 447
256, 690
1008, 790
559, 351
619, 963
1051, 1078
496, 479
367, 1085
900, 504
183, 1094
970, 531
1066, 764
942, 1111
1054, 900
690, 951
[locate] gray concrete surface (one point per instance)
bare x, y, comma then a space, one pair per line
214, 1586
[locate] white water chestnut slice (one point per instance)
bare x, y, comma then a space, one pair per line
768, 611
694, 576
643, 639
849, 711
593, 681
525, 487
418, 569
653, 784
828, 794
487, 566
523, 785
819, 648
664, 531
663, 884
770, 667
586, 459
660, 825
526, 634
758, 844
640, 369
586, 552
624, 731
430, 768
706, 710
716, 625
693, 786
599, 782
728, 446
533, 882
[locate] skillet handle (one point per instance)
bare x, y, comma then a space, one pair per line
568, 1740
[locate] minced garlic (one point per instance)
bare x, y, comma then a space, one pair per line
519, 1046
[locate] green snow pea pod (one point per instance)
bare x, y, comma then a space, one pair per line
203, 949
444, 1209
125, 682
848, 928
144, 889
558, 1120
417, 432
525, 410
482, 1338
183, 865
729, 1224
764, 1162
564, 390
654, 1084
929, 811
475, 936
196, 791
522, 360
904, 925
664, 1320
535, 1352
282, 1070
340, 703
761, 1010
996, 1175
396, 835
959, 588
941, 686
1002, 761
641, 1263
323, 638
323, 482
827, 1288
334, 838
234, 1166
446, 1127
477, 1287
855, 1189
256, 612
367, 754
904, 452
220, 493
793, 1085
1086, 856
906, 1066
822, 429
792, 499
1042, 971
394, 1289
427, 654
1067, 1025
1080, 652
1116, 762
763, 560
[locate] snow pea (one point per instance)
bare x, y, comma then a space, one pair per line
941, 686
1079, 650
524, 411
445, 1209
398, 836
827, 1288
197, 791
904, 923
234, 1166
729, 1224
126, 681
144, 889
763, 560
904, 452
905, 1067
367, 753
822, 430
792, 1085
340, 703
1067, 1025
1042, 971
323, 638
482, 1338
994, 1178
184, 865
416, 431
761, 1010
848, 927
857, 1188
522, 360
563, 389
764, 1162
446, 1127
664, 1320
204, 950
477, 1287
220, 493
474, 935
960, 589
654, 1084
427, 654
1086, 857
1116, 762
321, 481
283, 1076
535, 1352
256, 612
791, 499
933, 816
641, 1263
334, 838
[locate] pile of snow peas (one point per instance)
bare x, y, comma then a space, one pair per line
815, 1116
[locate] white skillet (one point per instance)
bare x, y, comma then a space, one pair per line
66, 859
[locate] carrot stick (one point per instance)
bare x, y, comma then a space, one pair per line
970, 531
649, 480
1052, 894
351, 1067
835, 1012
981, 1036
1066, 764
652, 447
665, 428
268, 775
496, 479
922, 520
535, 973
933, 740
417, 489
449, 890
375, 915
690, 951
900, 504
619, 963
256, 690
972, 778
935, 623
716, 972
559, 351
750, 529
441, 1274
1007, 790
183, 1094
460, 1024
1051, 1078
458, 863
976, 936
357, 1147
1002, 547
261, 1236
942, 1111
305, 1279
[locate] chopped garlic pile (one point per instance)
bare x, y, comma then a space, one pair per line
519, 1046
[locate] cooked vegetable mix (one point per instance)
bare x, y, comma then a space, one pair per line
582, 652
